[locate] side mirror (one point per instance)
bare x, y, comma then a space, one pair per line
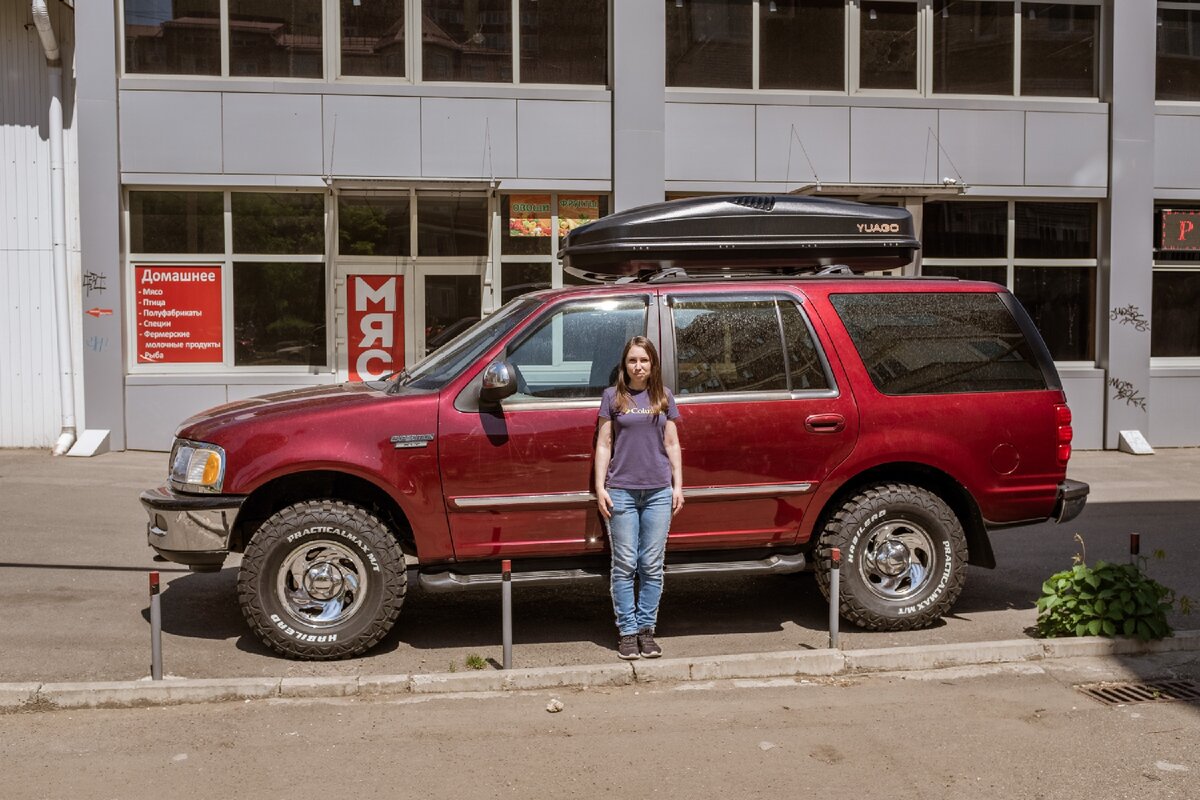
499, 382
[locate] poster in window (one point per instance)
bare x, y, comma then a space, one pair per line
529, 215
1180, 230
374, 325
575, 210
178, 314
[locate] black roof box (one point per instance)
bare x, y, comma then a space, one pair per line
767, 231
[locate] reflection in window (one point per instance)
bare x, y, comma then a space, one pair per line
280, 39
1058, 49
452, 226
888, 45
965, 230
176, 222
805, 369
972, 47
1056, 230
374, 225
279, 314
1061, 301
278, 223
728, 346
992, 274
373, 37
1177, 75
519, 279
1176, 328
708, 43
173, 38
466, 41
802, 44
564, 41
452, 304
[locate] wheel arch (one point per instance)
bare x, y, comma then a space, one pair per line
285, 490
953, 493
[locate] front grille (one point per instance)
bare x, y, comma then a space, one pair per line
1152, 692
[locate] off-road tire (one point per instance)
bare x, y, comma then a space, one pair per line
933, 548
322, 556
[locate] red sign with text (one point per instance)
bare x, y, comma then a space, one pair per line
1180, 230
178, 315
374, 325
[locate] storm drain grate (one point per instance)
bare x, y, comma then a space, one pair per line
1154, 692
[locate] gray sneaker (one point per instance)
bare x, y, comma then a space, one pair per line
646, 644
627, 647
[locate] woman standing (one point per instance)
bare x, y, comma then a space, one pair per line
639, 487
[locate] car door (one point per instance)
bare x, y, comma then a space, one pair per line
518, 478
765, 414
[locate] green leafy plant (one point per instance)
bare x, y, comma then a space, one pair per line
476, 661
1105, 600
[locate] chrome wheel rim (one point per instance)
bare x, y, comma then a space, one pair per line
322, 584
897, 561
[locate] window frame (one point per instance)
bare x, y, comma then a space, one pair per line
1162, 266
1173, 5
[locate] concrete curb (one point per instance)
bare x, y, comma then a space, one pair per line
16, 697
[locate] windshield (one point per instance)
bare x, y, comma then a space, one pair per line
445, 363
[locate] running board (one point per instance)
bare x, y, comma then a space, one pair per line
447, 581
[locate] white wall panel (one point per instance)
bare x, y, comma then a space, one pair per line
822, 133
566, 140
1175, 162
893, 145
1173, 403
170, 131
1066, 149
468, 138
710, 142
372, 136
154, 412
264, 134
1085, 395
982, 147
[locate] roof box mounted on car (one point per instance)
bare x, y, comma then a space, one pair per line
784, 233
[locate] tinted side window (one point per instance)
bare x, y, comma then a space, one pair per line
743, 345
939, 343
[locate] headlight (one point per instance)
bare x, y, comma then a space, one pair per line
197, 467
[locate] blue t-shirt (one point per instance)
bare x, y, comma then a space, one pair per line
639, 455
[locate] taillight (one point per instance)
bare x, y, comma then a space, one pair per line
1062, 417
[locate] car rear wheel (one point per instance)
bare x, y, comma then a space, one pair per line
904, 557
322, 580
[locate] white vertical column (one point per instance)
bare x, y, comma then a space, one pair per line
639, 76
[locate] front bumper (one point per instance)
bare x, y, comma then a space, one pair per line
1072, 496
190, 529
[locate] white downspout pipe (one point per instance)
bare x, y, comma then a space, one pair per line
58, 227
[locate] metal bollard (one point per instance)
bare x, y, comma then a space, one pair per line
835, 558
155, 629
506, 610
1135, 547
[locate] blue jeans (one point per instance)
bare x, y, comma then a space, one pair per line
637, 535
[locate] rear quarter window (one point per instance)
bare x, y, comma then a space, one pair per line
939, 342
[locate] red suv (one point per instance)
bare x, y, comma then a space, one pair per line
898, 419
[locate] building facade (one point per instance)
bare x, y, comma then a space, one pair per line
280, 193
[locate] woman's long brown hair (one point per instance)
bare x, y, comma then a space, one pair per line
654, 385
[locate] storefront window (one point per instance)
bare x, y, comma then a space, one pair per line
279, 40
279, 314
1058, 49
1062, 302
802, 44
888, 45
176, 222
971, 273
527, 224
564, 41
1177, 73
173, 39
278, 223
972, 47
452, 226
533, 227
373, 38
709, 43
374, 225
1055, 230
518, 279
1175, 310
453, 303
965, 230
467, 41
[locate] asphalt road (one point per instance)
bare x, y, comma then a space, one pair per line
74, 565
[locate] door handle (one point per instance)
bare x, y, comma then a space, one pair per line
825, 423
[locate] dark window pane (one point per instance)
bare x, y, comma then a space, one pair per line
452, 304
279, 314
280, 39
1180, 256
467, 40
802, 44
993, 274
972, 47
374, 226
564, 41
888, 43
173, 39
1177, 75
519, 279
526, 228
1056, 230
278, 223
728, 346
449, 226
1062, 303
965, 230
1058, 49
708, 43
805, 368
1175, 314
373, 37
939, 343
176, 222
